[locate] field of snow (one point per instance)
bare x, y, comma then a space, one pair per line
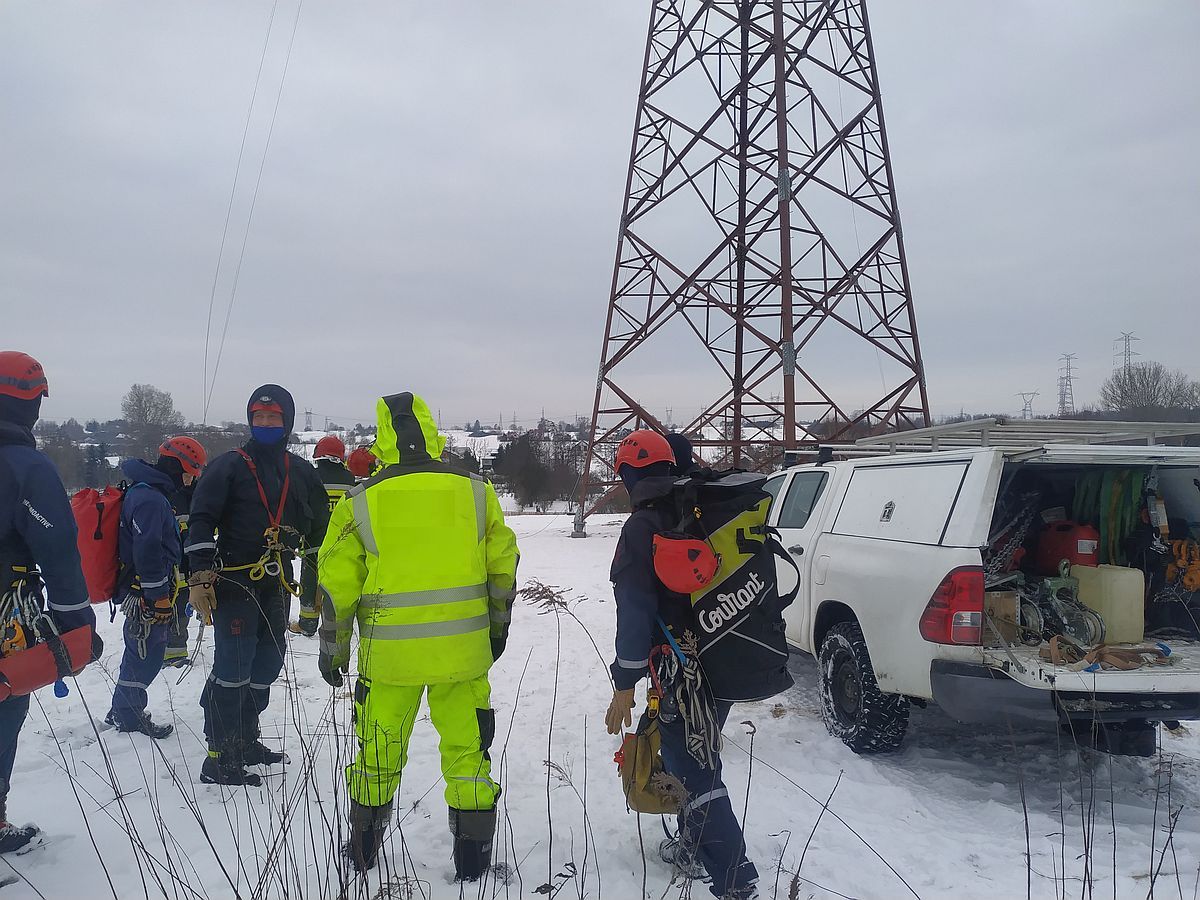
126, 817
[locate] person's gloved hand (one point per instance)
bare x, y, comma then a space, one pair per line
331, 668
620, 711
202, 595
159, 611
97, 646
498, 644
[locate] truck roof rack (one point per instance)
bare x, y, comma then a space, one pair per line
1017, 434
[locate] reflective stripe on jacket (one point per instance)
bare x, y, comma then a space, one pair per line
419, 556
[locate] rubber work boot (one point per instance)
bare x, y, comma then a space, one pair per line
681, 858
472, 831
13, 838
142, 725
224, 768
258, 754
368, 824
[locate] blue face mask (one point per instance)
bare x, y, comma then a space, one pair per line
267, 435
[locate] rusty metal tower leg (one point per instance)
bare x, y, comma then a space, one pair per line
760, 279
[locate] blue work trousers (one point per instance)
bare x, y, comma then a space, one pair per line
12, 717
248, 647
145, 644
707, 825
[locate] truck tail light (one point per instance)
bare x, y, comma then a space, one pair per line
954, 614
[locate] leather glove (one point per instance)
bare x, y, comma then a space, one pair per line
498, 644
620, 710
202, 595
159, 611
331, 669
97, 646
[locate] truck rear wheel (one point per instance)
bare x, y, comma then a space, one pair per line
855, 710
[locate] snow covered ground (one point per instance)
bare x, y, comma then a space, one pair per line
942, 818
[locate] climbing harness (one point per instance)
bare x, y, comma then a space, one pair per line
271, 562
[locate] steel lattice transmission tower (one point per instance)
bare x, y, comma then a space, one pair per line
1066, 385
760, 277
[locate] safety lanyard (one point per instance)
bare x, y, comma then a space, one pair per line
276, 520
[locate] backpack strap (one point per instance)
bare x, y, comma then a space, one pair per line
775, 541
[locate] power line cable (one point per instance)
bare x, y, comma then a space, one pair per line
253, 203
212, 296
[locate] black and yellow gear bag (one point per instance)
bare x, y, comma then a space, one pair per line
737, 612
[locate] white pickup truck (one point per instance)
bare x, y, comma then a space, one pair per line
890, 550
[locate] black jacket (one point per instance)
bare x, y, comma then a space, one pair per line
38, 528
227, 503
335, 476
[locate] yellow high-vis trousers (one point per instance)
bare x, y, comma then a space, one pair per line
384, 715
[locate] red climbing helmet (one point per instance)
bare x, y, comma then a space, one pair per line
361, 462
683, 563
330, 447
21, 376
643, 448
189, 451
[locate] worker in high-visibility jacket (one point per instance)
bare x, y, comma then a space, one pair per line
419, 556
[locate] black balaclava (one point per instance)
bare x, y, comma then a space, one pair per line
631, 475
272, 393
20, 412
172, 468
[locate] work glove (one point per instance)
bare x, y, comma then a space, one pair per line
620, 711
331, 669
159, 611
202, 595
97, 646
498, 644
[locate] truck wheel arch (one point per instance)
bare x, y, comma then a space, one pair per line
829, 613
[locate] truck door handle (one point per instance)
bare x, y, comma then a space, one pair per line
796, 549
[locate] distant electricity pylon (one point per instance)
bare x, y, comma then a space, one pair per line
308, 420
759, 246
1126, 353
1027, 399
1066, 387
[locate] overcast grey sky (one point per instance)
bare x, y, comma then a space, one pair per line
439, 204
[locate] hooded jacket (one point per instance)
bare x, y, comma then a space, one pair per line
419, 556
228, 517
38, 528
148, 539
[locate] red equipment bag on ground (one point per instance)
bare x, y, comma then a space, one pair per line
98, 519
44, 663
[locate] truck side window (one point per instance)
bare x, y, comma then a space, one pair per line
801, 498
772, 486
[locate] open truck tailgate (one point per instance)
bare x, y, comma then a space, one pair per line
1024, 665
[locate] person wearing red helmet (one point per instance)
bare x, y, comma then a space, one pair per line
176, 655
150, 551
709, 839
329, 456
362, 462
39, 559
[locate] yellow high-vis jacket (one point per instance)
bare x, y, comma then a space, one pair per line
420, 557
